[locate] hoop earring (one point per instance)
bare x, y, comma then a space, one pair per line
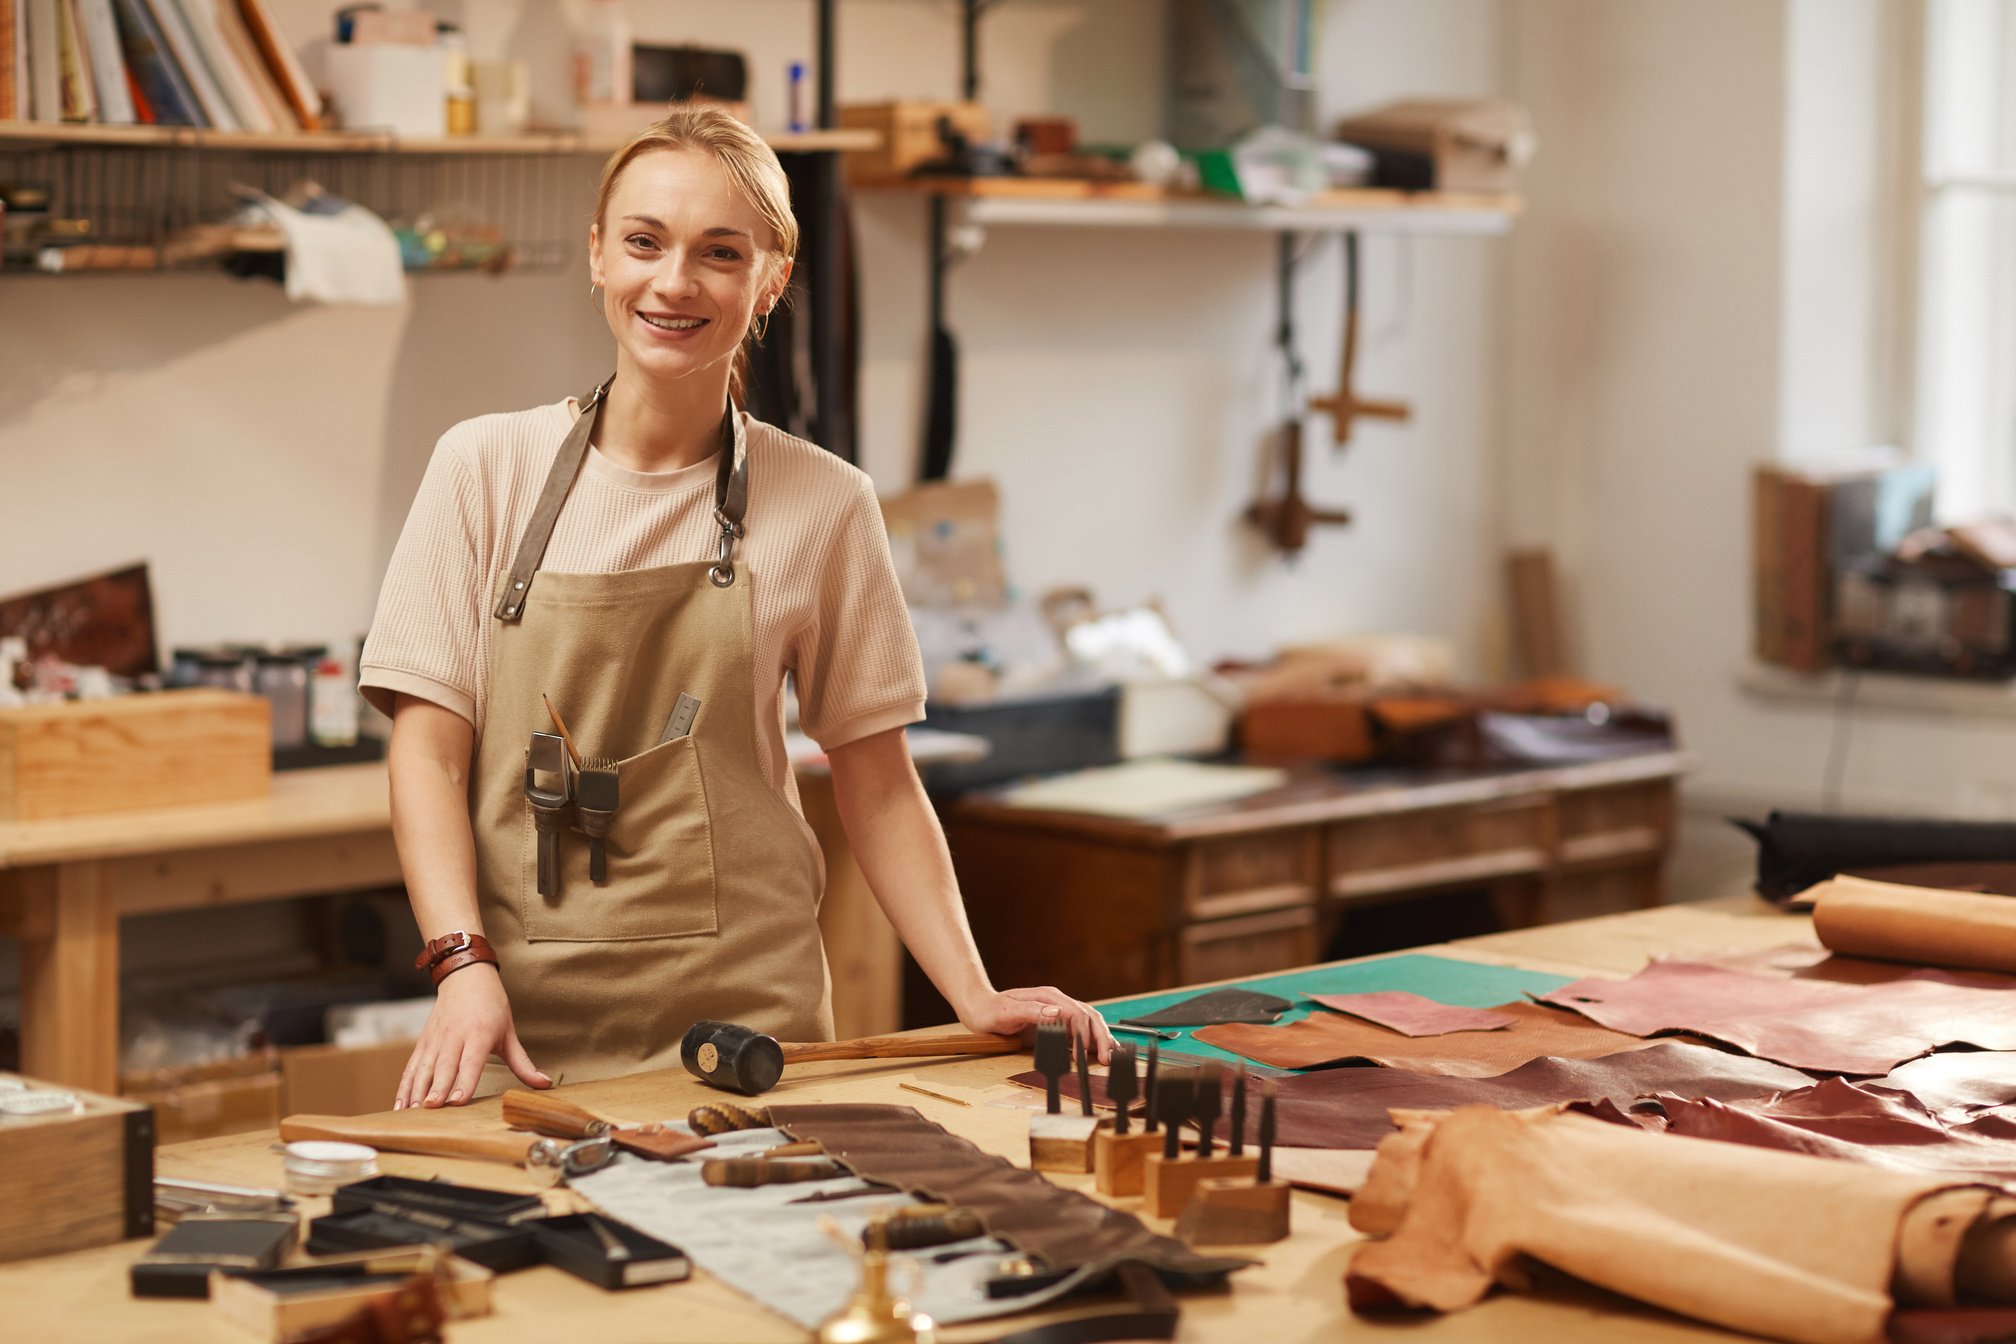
593, 301
760, 325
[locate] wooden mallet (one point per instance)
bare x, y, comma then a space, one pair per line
742, 1059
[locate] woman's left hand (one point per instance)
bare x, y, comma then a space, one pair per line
1012, 1011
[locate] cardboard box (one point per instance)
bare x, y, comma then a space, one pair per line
81, 1177
168, 749
204, 1101
909, 132
341, 1079
1444, 144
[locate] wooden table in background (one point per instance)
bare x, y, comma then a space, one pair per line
1112, 907
1296, 1294
65, 885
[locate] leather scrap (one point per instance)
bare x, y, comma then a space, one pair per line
1215, 1006
1411, 1014
1347, 1108
896, 1146
1323, 1040
1804, 1023
1771, 1243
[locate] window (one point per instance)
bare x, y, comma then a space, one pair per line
1965, 400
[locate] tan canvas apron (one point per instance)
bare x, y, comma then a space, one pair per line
710, 905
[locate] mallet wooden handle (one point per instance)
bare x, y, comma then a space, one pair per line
900, 1047
544, 1113
488, 1147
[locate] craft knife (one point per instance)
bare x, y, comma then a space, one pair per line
1210, 1098
1120, 1085
684, 711
1156, 1032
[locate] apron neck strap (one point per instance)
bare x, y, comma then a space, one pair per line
731, 500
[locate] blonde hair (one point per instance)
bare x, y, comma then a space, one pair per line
744, 155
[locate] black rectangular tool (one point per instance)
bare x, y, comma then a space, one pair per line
595, 797
1237, 1141
607, 1253
1175, 1097
496, 1248
1053, 1057
442, 1198
1084, 1053
1148, 1087
179, 1264
1210, 1099
1121, 1085
1266, 1171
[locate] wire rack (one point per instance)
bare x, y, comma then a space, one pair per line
163, 207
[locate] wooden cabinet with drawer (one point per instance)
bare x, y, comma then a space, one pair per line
1104, 907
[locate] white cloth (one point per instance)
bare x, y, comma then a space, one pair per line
348, 257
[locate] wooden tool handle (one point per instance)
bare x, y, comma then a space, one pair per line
544, 1113
900, 1047
490, 1147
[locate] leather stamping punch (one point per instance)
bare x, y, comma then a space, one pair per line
1059, 1142
552, 808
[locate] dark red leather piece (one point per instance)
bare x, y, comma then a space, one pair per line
1346, 1108
1324, 1039
1863, 1030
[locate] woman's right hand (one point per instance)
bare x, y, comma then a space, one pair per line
470, 1022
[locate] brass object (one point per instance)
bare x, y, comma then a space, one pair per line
875, 1314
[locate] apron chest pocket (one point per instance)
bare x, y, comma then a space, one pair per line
660, 860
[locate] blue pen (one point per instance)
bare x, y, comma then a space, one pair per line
799, 120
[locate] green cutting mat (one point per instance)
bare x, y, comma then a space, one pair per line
1463, 984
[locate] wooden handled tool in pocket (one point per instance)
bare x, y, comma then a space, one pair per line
520, 1150
544, 1113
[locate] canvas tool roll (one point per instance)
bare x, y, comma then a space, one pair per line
709, 904
1860, 918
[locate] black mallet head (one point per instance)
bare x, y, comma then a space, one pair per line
736, 1059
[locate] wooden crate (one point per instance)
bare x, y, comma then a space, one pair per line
204, 1101
83, 1178
169, 749
909, 132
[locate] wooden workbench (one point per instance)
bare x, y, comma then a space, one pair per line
65, 885
1295, 1295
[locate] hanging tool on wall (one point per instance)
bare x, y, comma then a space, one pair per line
1345, 405
1287, 518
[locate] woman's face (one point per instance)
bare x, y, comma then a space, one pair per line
684, 262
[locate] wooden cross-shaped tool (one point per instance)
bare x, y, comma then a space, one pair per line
1286, 519
1345, 405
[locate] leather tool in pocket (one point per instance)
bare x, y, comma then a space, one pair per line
659, 871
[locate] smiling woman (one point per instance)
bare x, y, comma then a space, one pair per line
583, 639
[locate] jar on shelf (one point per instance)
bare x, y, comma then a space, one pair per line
283, 680
224, 669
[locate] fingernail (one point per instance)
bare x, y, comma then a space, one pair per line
433, 1097
456, 1095
399, 1105
1051, 1010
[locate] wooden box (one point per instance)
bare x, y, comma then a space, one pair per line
78, 1178
168, 749
909, 132
204, 1101
271, 1305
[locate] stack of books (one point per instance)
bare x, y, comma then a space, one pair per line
214, 64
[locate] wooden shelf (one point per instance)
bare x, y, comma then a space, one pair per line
51, 135
1054, 201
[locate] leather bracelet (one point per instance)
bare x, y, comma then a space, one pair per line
454, 962
447, 945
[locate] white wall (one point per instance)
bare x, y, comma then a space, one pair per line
1119, 383
1701, 284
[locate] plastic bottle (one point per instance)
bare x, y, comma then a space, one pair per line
602, 54
332, 706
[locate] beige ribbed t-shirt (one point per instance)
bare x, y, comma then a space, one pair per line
828, 609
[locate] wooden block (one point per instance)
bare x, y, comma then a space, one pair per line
909, 132
80, 1178
1117, 1159
1061, 1142
1234, 1213
1166, 1185
168, 749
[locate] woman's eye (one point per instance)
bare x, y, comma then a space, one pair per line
640, 240
727, 254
